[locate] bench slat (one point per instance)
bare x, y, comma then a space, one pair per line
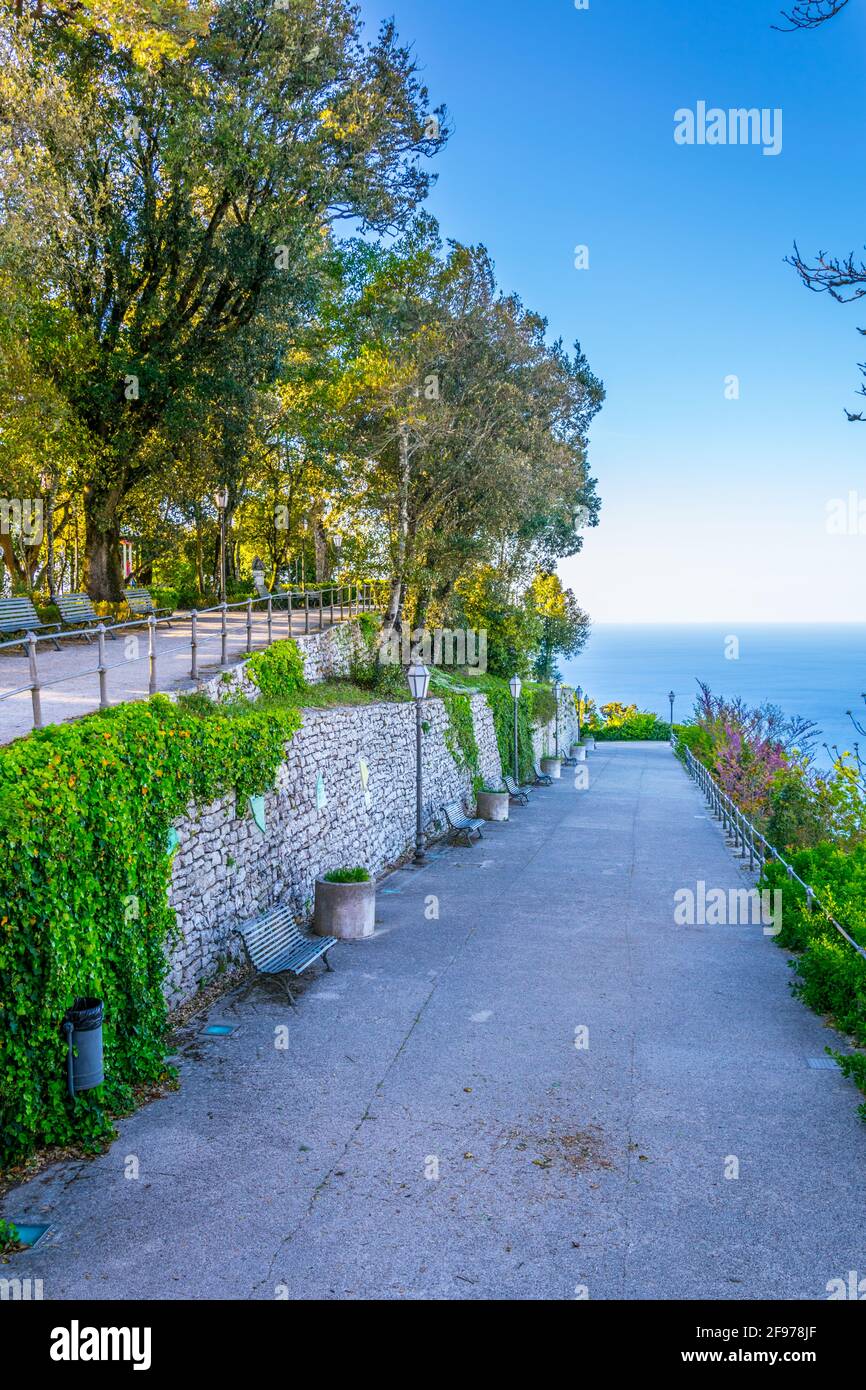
275, 943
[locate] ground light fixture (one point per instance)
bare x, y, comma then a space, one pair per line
419, 683
515, 685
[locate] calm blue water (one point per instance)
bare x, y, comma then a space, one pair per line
815, 671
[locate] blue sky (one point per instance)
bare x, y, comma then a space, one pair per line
713, 509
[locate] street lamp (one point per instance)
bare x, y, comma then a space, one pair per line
672, 697
515, 685
557, 690
221, 498
579, 693
419, 683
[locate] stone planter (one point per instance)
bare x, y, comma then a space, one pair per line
552, 767
578, 752
492, 805
345, 910
588, 743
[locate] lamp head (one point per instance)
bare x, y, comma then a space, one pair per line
515, 685
419, 680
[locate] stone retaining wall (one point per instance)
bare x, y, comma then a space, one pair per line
319, 816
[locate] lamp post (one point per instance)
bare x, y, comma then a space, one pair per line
672, 697
419, 683
46, 482
557, 690
579, 693
221, 498
515, 685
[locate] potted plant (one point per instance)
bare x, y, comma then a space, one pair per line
345, 904
492, 803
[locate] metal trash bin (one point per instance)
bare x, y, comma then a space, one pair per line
83, 1028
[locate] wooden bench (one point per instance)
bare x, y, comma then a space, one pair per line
19, 615
461, 824
76, 610
276, 945
519, 794
542, 779
140, 605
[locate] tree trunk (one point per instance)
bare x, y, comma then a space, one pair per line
102, 572
392, 622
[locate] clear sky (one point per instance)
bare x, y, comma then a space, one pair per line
713, 509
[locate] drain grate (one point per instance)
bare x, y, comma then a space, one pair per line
823, 1064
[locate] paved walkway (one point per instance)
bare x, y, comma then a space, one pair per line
449, 1046
73, 669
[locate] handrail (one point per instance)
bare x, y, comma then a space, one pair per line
355, 598
759, 847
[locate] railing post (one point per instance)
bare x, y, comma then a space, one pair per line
271, 618
193, 646
306, 610
224, 632
35, 696
101, 668
249, 625
151, 652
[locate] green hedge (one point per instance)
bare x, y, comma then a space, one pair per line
637, 728
85, 810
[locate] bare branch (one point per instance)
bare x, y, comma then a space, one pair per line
808, 14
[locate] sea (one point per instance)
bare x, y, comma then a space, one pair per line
817, 671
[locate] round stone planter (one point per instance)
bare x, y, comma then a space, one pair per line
552, 767
589, 743
579, 752
345, 910
492, 805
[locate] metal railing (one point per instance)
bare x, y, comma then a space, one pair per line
747, 838
342, 602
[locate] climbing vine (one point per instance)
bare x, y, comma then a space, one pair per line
85, 811
459, 735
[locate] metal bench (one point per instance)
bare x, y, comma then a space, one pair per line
519, 794
280, 597
141, 605
76, 610
276, 945
19, 615
542, 779
461, 824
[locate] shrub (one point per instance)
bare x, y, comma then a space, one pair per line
85, 810
348, 876
639, 726
278, 671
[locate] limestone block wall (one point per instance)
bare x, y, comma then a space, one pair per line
344, 796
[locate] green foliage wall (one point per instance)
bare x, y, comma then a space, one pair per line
85, 810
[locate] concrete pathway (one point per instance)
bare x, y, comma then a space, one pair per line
71, 685
433, 1132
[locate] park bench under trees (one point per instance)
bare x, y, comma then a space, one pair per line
76, 610
519, 794
281, 597
542, 779
276, 945
141, 605
19, 615
460, 824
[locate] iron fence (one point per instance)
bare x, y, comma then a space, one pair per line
341, 602
748, 839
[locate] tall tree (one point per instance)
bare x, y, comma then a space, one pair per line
174, 210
